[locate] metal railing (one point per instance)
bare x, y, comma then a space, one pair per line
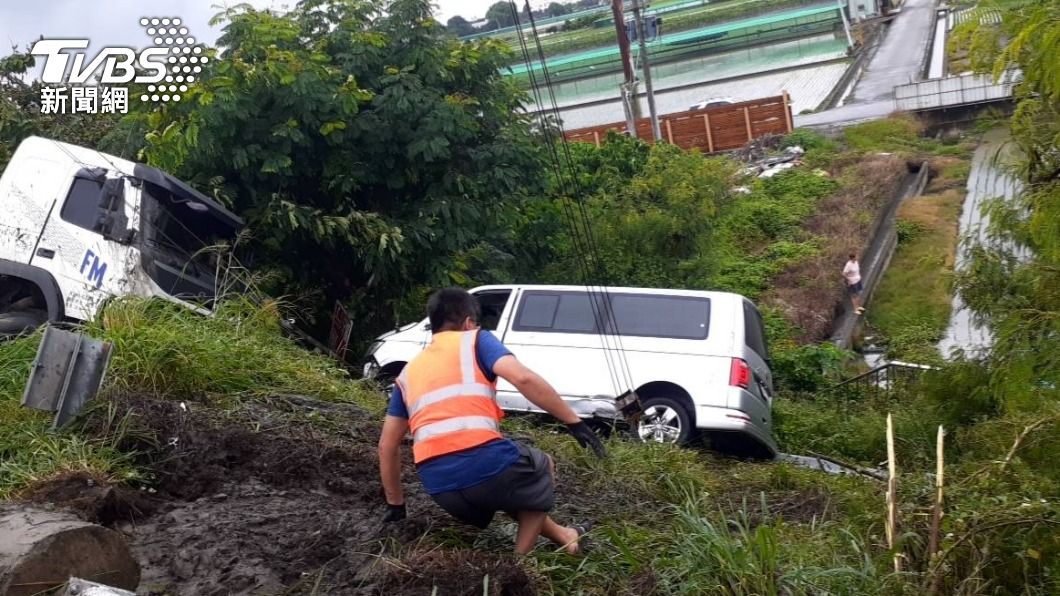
887, 377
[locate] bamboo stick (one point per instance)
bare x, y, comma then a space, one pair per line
747, 122
936, 514
892, 494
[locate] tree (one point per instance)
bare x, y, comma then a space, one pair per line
367, 150
556, 9
500, 15
1018, 291
459, 26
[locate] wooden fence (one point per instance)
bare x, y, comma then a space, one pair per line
715, 129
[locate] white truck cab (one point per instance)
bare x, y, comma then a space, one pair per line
697, 360
78, 226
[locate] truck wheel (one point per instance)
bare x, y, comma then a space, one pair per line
665, 420
20, 322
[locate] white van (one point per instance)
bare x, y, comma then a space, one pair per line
697, 360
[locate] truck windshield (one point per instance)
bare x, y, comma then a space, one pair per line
179, 242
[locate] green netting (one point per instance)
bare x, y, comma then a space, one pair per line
748, 32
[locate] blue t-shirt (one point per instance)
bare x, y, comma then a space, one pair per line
462, 469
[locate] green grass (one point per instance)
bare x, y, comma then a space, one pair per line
911, 307
161, 349
901, 135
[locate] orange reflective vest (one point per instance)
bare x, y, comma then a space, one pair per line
452, 405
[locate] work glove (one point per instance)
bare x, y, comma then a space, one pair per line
587, 438
394, 513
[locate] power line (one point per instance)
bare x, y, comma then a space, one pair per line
584, 242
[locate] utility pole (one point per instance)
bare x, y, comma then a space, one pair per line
646, 65
629, 91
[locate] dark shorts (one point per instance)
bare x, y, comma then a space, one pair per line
855, 288
526, 485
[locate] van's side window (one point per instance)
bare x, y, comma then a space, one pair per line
753, 331
680, 317
537, 312
82, 204
651, 315
566, 312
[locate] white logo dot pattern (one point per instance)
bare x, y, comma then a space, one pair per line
168, 33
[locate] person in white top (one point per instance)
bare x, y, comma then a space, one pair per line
852, 277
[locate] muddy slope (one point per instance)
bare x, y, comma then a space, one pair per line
277, 496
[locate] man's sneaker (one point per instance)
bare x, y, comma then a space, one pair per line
860, 310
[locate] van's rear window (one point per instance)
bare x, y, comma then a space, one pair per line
645, 315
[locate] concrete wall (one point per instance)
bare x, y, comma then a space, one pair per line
875, 258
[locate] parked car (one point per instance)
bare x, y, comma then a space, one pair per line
713, 102
697, 360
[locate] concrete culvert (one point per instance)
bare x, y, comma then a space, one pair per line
40, 550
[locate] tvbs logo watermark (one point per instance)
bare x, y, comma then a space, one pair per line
95, 86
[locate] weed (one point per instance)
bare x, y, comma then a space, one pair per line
907, 230
166, 350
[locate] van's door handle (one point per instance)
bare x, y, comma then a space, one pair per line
45, 253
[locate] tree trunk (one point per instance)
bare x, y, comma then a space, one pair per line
41, 550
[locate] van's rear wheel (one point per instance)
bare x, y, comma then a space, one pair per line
665, 420
21, 322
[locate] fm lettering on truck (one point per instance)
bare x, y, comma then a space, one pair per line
96, 268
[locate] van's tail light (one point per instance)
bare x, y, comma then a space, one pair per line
739, 374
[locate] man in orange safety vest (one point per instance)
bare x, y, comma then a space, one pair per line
447, 398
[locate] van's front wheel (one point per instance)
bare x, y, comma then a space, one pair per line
665, 420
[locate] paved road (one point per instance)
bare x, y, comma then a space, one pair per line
900, 56
897, 61
987, 180
848, 114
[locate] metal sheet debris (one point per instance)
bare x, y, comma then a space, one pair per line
67, 372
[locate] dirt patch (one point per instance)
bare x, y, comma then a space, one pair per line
92, 499
801, 506
251, 538
456, 572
